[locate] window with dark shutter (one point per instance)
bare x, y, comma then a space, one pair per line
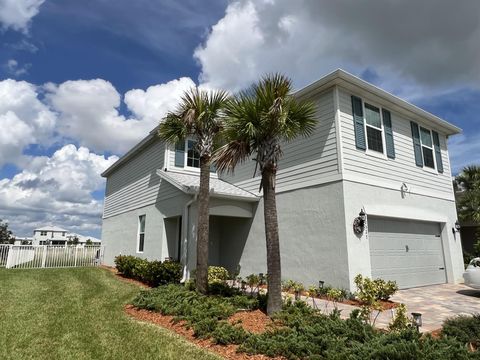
358, 123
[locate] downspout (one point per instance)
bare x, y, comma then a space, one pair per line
185, 220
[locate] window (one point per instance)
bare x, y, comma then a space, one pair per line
427, 147
141, 233
193, 157
373, 123
63, 234
43, 233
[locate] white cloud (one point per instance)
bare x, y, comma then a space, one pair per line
56, 189
88, 111
307, 39
464, 150
152, 104
25, 120
16, 14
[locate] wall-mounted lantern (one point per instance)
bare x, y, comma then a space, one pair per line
456, 227
359, 222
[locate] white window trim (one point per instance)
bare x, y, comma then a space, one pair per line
138, 234
186, 157
424, 167
377, 154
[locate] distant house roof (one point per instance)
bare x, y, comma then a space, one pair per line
189, 184
82, 238
51, 228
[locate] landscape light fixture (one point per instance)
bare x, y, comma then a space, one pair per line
262, 278
417, 320
321, 283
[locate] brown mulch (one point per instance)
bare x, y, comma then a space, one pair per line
253, 321
123, 278
226, 351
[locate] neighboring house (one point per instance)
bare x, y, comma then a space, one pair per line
49, 235
53, 235
370, 150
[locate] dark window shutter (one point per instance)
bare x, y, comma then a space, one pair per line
357, 112
417, 147
438, 153
180, 154
387, 126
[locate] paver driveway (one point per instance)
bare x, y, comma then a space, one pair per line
439, 302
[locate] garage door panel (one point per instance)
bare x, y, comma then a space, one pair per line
409, 252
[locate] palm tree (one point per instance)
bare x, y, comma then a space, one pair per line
198, 116
468, 182
257, 121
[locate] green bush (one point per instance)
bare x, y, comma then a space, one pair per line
153, 273
125, 264
217, 274
302, 332
465, 329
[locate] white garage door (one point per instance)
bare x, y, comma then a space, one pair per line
409, 252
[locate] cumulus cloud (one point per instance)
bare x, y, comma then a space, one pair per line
85, 115
152, 104
25, 120
89, 111
309, 38
16, 14
56, 189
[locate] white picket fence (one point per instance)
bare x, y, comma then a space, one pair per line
50, 256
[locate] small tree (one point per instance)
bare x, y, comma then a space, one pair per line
257, 121
6, 236
88, 242
199, 116
468, 181
73, 240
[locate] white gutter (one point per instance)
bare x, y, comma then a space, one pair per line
186, 213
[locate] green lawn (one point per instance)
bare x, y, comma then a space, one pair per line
78, 314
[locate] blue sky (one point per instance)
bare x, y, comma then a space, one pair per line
82, 81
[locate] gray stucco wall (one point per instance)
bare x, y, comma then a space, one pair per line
312, 237
120, 232
390, 203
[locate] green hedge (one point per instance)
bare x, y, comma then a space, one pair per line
153, 273
463, 328
302, 332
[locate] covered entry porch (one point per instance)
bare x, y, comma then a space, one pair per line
231, 214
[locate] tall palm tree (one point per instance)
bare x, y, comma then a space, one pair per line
468, 182
257, 121
199, 116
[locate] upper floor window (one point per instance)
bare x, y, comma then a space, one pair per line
373, 123
373, 128
187, 156
193, 157
43, 233
427, 147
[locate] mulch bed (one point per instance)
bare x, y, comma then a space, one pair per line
226, 351
255, 322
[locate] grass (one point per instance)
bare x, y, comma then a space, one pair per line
78, 314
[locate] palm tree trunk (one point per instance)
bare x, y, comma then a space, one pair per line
274, 275
203, 226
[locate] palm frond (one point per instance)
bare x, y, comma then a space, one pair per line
229, 155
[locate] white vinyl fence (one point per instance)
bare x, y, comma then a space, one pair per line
49, 256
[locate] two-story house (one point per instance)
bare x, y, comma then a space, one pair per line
372, 156
49, 235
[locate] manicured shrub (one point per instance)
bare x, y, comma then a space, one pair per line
153, 273
465, 329
125, 264
226, 333
217, 274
